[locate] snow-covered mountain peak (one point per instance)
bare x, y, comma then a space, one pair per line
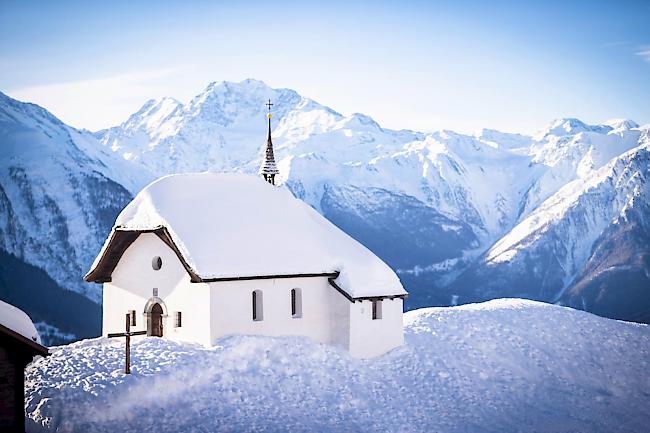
242, 100
504, 140
14, 110
600, 141
153, 114
247, 86
569, 126
156, 104
58, 187
583, 208
621, 124
216, 129
468, 146
363, 120
31, 137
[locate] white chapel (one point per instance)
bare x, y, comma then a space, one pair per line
196, 257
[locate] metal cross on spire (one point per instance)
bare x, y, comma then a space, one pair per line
268, 168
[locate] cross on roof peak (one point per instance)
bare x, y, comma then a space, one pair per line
269, 169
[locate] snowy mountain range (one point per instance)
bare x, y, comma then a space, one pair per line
561, 216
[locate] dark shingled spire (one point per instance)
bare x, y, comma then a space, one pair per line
269, 169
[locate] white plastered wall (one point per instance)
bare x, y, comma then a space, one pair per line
133, 281
325, 316
368, 337
211, 311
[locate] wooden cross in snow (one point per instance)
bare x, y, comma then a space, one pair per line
127, 334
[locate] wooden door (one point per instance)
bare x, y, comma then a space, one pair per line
156, 321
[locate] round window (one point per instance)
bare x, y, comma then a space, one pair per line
156, 263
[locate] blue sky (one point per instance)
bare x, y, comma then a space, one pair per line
459, 65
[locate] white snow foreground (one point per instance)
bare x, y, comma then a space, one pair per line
501, 366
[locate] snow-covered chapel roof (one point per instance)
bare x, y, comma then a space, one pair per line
233, 225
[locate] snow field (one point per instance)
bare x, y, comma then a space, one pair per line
504, 365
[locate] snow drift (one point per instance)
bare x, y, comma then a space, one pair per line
504, 365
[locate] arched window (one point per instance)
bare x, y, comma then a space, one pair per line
296, 303
156, 263
258, 308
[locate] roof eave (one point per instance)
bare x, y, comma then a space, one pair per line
95, 275
35, 348
354, 299
103, 270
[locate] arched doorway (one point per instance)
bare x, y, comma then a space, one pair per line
156, 322
155, 312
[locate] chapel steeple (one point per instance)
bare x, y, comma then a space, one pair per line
269, 169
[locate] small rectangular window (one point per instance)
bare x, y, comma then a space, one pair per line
376, 309
178, 320
258, 312
132, 314
296, 303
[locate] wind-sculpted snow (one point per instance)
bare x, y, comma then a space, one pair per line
501, 366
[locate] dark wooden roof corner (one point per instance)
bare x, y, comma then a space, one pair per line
120, 240
30, 346
18, 352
